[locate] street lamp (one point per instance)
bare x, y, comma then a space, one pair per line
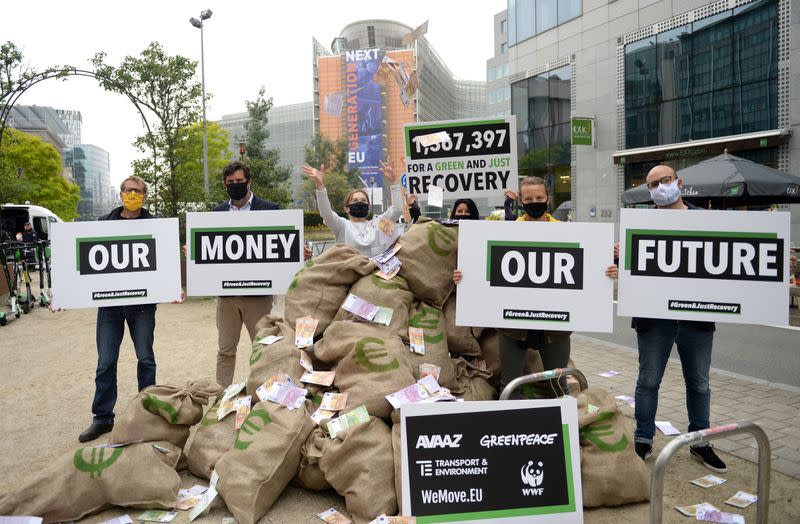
204, 15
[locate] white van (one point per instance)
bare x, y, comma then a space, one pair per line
14, 216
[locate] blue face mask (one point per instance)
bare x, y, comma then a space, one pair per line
666, 194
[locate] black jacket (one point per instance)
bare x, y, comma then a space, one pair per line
258, 204
116, 214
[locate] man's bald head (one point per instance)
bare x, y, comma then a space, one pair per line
659, 172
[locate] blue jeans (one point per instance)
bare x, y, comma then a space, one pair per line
655, 340
111, 321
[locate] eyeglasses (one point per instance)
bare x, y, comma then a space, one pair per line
132, 190
663, 180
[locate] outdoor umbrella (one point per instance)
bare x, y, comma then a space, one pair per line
728, 180
562, 211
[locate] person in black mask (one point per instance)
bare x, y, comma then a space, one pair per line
464, 209
234, 311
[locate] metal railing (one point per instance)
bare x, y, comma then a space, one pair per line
542, 376
764, 463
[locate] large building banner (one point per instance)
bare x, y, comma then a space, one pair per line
465, 158
717, 266
535, 275
364, 116
115, 263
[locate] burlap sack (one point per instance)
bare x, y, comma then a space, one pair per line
322, 285
431, 320
392, 293
211, 440
279, 357
164, 413
359, 464
398, 459
374, 366
490, 353
462, 341
611, 472
429, 256
472, 383
91, 479
309, 476
262, 461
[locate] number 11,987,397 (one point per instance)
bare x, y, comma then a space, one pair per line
475, 142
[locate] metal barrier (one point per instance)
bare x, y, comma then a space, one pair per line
542, 376
764, 464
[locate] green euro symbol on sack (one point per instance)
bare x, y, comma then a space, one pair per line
258, 349
364, 356
294, 282
250, 427
154, 405
393, 283
594, 433
438, 233
211, 415
97, 463
428, 318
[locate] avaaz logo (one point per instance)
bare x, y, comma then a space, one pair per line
532, 475
439, 441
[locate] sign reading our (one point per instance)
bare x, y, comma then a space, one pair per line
115, 262
505, 461
725, 266
463, 157
565, 265
252, 253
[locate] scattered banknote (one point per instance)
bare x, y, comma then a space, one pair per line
287, 394
304, 331
333, 401
354, 417
186, 503
305, 361
708, 481
323, 378
716, 515
331, 516
269, 340
390, 266
226, 407
384, 315
125, 519
691, 511
416, 340
388, 231
388, 253
609, 374
435, 196
429, 383
383, 519
161, 449
408, 395
232, 390
197, 489
390, 274
205, 501
667, 428
591, 408
360, 307
626, 399
429, 369
154, 515
443, 394
321, 414
263, 390
742, 499
242, 410
432, 138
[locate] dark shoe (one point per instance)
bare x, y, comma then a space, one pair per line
708, 458
643, 449
94, 431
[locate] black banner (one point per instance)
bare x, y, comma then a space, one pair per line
116, 255
537, 266
468, 141
231, 246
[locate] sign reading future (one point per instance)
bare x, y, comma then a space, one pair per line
251, 253
508, 461
466, 158
718, 266
535, 275
115, 263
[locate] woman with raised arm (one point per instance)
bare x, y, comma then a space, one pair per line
356, 230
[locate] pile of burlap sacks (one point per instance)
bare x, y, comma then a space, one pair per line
277, 446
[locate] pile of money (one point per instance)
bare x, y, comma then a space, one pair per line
423, 389
228, 403
388, 263
287, 393
263, 390
352, 418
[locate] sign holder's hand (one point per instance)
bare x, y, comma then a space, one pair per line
182, 299
458, 275
316, 175
612, 271
510, 194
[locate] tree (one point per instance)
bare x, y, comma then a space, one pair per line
339, 180
166, 86
31, 170
270, 179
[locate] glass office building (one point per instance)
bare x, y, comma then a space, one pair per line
91, 168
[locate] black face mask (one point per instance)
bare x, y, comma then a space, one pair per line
465, 217
237, 190
535, 209
358, 209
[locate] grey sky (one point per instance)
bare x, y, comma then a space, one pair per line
247, 44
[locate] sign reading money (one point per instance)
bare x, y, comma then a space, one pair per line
466, 158
565, 263
520, 463
253, 253
115, 263
717, 266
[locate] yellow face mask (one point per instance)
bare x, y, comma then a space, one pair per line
132, 201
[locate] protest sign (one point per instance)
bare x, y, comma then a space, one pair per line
508, 461
714, 266
115, 263
467, 158
535, 275
252, 253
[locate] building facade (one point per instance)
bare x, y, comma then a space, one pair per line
498, 89
73, 120
290, 127
91, 168
41, 121
349, 101
664, 81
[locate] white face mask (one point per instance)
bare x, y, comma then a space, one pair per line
666, 194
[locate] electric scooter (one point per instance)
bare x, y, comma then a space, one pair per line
21, 274
11, 283
43, 254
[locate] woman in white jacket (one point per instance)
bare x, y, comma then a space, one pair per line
356, 230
